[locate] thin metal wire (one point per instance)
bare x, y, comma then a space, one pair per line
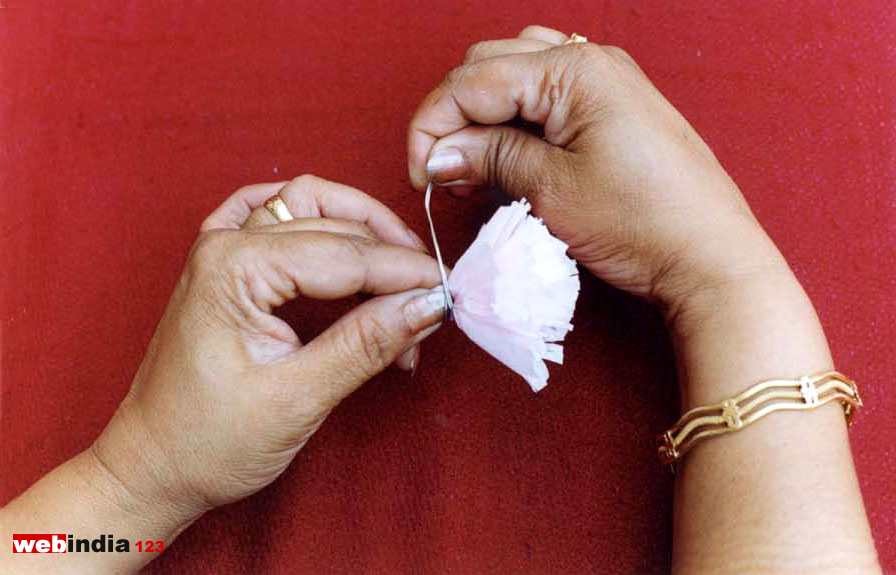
449, 303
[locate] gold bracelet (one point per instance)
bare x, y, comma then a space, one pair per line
733, 414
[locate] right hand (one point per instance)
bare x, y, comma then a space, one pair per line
227, 393
620, 175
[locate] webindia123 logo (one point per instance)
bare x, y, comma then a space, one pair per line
60, 543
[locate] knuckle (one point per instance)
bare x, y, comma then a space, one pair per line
589, 73
360, 230
619, 54
302, 183
246, 282
613, 50
207, 252
304, 179
409, 323
605, 58
219, 257
206, 272
472, 51
591, 53
455, 75
242, 190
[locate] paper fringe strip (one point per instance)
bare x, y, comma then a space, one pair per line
515, 291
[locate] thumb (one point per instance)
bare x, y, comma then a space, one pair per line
365, 341
518, 162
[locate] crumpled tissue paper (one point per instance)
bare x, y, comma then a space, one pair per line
515, 291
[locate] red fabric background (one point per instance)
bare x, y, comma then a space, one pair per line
122, 127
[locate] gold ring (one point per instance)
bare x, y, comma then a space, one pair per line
575, 39
278, 209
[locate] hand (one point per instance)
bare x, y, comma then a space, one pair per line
643, 203
227, 394
619, 175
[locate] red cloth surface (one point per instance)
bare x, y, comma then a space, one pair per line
122, 127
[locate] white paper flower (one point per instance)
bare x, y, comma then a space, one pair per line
515, 291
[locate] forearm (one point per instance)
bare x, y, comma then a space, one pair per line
781, 495
83, 498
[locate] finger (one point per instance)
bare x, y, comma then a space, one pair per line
261, 216
233, 212
264, 270
366, 340
312, 197
494, 48
408, 360
538, 87
333, 226
544, 34
516, 161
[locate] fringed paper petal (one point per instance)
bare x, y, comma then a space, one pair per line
515, 291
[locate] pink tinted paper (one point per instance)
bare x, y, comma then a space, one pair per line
515, 291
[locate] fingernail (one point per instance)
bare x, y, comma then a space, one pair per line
436, 298
456, 184
446, 165
425, 310
415, 361
406, 360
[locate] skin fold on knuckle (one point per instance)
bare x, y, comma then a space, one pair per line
563, 89
453, 82
251, 283
357, 230
339, 259
240, 284
502, 160
586, 74
358, 249
205, 277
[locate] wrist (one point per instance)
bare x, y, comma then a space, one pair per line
735, 290
136, 472
84, 498
731, 256
734, 333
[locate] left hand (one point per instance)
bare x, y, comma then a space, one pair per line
619, 175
